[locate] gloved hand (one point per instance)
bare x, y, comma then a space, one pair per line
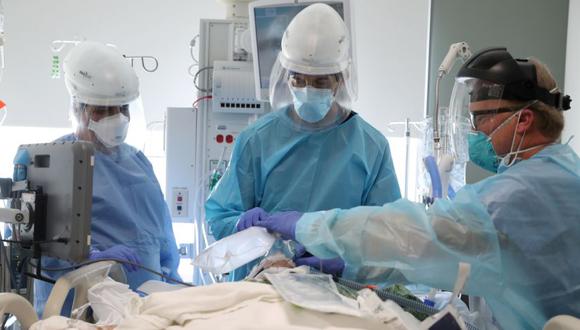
300, 251
283, 223
250, 218
329, 266
121, 252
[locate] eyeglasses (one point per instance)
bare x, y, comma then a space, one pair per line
477, 117
322, 82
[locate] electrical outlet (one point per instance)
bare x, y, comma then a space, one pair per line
179, 202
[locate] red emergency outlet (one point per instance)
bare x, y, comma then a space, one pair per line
229, 138
219, 138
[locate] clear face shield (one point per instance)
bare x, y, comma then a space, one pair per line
478, 101
474, 103
312, 101
109, 126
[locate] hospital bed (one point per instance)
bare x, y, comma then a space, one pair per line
224, 305
80, 280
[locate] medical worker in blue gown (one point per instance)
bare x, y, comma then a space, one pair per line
130, 219
519, 229
312, 152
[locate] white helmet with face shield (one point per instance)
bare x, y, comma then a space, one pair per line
313, 72
104, 91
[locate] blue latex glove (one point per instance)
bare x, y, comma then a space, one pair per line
329, 266
120, 252
283, 223
251, 217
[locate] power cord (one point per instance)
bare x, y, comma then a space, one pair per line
57, 240
121, 261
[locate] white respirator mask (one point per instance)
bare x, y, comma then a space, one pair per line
111, 131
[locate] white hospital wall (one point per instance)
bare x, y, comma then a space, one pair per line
138, 27
391, 45
572, 84
391, 48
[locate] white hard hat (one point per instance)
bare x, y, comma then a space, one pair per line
98, 74
316, 42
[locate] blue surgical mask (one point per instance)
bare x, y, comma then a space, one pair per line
481, 151
312, 104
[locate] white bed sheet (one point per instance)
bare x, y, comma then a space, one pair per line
240, 305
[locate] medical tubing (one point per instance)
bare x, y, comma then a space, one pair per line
194, 104
451, 192
121, 261
414, 306
198, 215
433, 170
199, 230
436, 135
407, 156
203, 90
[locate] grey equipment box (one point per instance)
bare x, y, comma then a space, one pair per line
64, 170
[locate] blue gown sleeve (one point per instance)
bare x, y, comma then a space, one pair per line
385, 188
169, 255
402, 241
235, 193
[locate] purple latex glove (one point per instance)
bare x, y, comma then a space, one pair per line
300, 251
250, 218
120, 252
329, 266
283, 223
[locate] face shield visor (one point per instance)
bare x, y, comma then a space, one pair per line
479, 101
109, 126
473, 107
314, 99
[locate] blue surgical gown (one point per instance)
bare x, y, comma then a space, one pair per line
519, 230
278, 166
128, 209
